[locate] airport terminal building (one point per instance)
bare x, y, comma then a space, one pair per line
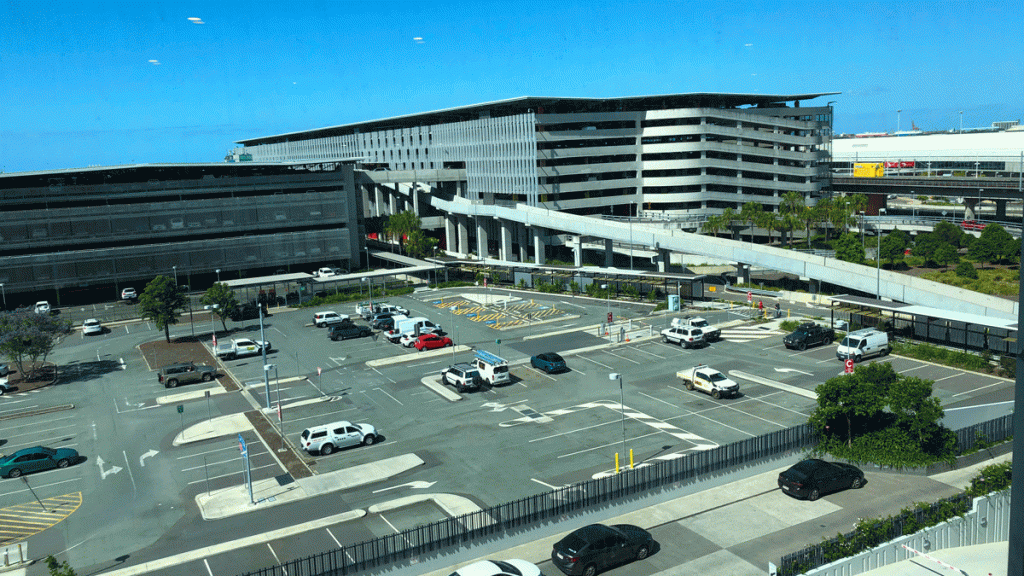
305, 199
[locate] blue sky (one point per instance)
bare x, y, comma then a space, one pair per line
77, 87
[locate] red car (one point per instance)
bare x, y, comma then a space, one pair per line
432, 341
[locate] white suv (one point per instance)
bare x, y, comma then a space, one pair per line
685, 336
128, 294
328, 317
42, 307
326, 438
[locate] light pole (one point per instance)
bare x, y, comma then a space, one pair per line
452, 310
622, 406
878, 262
213, 327
898, 121
361, 282
4, 291
961, 121
862, 227
218, 275
607, 300
175, 268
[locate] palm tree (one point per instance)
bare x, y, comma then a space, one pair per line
790, 208
728, 216
770, 222
713, 225
820, 213
751, 213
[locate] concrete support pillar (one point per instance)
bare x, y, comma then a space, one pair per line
367, 201
450, 238
524, 241
481, 238
577, 253
415, 193
609, 256
663, 259
742, 273
392, 203
378, 203
538, 245
506, 240
1000, 210
970, 208
463, 225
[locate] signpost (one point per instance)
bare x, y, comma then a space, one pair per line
750, 297
849, 365
247, 473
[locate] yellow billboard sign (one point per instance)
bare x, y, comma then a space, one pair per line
869, 170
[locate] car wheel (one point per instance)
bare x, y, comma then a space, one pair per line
857, 483
2, 390
885, 351
172, 383
449, 344
802, 346
828, 341
590, 570
14, 473
369, 439
207, 376
716, 395
642, 553
326, 449
63, 463
689, 384
856, 358
664, 339
813, 495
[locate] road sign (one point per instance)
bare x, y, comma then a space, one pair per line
181, 408
609, 317
750, 296
849, 365
319, 371
241, 444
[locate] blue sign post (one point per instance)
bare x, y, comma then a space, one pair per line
246, 471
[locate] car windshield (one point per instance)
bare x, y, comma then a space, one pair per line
846, 341
717, 377
700, 323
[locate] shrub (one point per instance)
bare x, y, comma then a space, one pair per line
993, 478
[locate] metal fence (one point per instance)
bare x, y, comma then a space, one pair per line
984, 434
850, 543
438, 537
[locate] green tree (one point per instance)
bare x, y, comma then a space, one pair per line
224, 297
995, 244
820, 216
847, 402
849, 248
401, 225
951, 234
162, 302
714, 224
790, 209
946, 254
59, 568
769, 221
751, 214
419, 244
728, 217
29, 337
915, 409
926, 245
893, 247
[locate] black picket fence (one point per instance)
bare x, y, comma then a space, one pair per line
850, 543
984, 434
419, 543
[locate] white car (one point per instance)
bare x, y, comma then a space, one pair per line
42, 307
4, 388
499, 568
327, 438
128, 294
328, 317
92, 326
409, 339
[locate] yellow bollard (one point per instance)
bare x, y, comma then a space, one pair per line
789, 312
630, 458
616, 462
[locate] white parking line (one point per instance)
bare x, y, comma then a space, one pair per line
976, 389
596, 362
639, 349
658, 400
623, 357
237, 473
382, 391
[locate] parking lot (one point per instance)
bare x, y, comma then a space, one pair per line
490, 446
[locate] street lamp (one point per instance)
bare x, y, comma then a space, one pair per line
607, 300
361, 282
452, 310
218, 275
5, 295
862, 227
213, 327
898, 121
175, 268
277, 383
961, 121
622, 406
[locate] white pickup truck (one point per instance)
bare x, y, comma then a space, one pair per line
707, 379
710, 333
241, 347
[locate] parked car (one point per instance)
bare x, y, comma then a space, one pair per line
811, 478
129, 294
5, 387
548, 362
185, 373
462, 377
36, 460
499, 568
42, 307
347, 330
385, 324
809, 334
432, 341
324, 439
685, 336
594, 548
328, 317
92, 326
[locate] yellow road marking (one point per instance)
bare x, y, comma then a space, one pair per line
23, 520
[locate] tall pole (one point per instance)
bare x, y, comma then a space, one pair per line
1015, 559
263, 348
175, 268
452, 311
218, 275
631, 237
961, 121
622, 407
878, 263
898, 121
4, 291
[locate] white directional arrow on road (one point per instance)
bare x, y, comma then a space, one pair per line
147, 455
495, 406
793, 370
416, 484
105, 473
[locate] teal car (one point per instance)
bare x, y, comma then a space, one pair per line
36, 460
548, 362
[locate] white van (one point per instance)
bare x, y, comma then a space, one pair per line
863, 344
416, 326
493, 369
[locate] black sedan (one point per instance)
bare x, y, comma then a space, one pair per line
596, 547
811, 478
548, 362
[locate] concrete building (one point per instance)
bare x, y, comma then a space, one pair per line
95, 230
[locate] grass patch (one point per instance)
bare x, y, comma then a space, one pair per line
993, 281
